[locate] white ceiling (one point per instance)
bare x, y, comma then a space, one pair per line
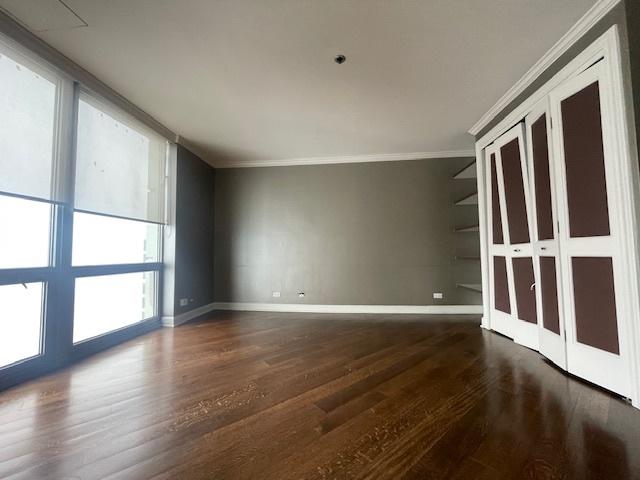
254, 80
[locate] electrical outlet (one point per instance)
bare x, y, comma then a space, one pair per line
184, 302
301, 294
276, 294
438, 295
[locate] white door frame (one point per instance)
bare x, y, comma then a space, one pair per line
607, 47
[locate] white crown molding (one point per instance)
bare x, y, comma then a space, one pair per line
382, 157
577, 31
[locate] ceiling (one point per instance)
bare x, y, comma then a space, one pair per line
254, 80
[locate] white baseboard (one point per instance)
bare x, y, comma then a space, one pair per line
174, 321
169, 321
388, 309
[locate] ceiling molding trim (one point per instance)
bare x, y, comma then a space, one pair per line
577, 31
382, 157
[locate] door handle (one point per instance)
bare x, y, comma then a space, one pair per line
516, 249
532, 286
543, 248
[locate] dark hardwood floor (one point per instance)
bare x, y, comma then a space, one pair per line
293, 396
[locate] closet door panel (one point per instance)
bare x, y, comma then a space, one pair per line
542, 179
502, 300
595, 308
496, 216
545, 236
591, 252
500, 272
549, 294
524, 282
514, 191
512, 170
584, 163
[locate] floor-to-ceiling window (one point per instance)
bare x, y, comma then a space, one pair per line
82, 196
119, 205
30, 99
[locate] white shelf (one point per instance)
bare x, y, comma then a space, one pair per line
467, 172
468, 200
472, 228
476, 287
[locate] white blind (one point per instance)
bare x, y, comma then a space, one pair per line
27, 121
120, 164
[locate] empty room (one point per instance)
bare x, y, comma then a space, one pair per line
319, 239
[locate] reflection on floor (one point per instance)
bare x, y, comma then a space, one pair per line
290, 396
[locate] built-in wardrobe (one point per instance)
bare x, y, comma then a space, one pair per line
558, 221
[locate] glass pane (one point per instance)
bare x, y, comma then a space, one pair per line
119, 166
25, 227
100, 240
27, 111
110, 302
20, 322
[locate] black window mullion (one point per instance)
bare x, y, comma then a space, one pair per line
26, 275
97, 270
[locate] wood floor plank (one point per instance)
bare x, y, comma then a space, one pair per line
275, 396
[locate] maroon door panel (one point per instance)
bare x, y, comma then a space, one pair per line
501, 285
524, 279
549, 291
495, 204
595, 305
514, 193
540, 146
584, 164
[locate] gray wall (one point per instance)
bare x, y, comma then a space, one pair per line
360, 233
617, 16
194, 231
633, 30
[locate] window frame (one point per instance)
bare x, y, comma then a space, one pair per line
100, 342
51, 349
57, 347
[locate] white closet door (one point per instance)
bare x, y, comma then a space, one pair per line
545, 235
590, 243
500, 297
513, 259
